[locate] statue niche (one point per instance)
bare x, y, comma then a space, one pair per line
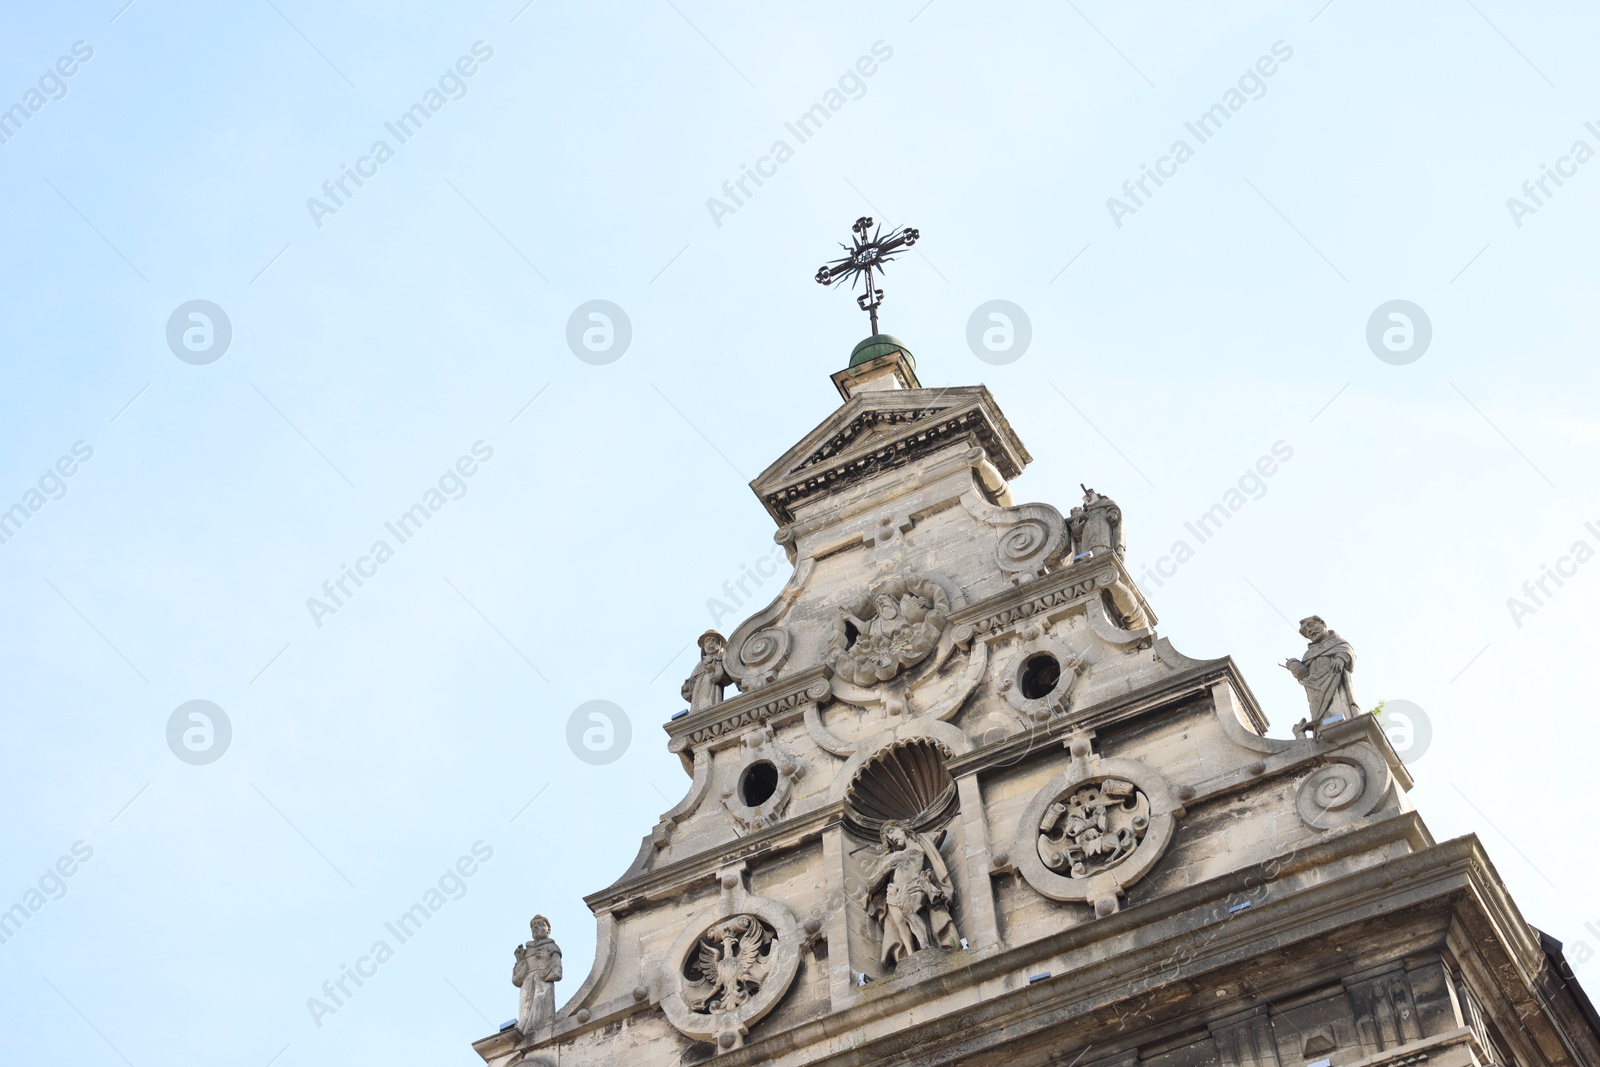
895, 627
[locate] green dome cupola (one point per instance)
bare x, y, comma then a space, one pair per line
879, 344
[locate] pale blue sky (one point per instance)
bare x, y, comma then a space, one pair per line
369, 354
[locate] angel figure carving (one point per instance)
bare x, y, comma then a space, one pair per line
910, 893
729, 965
896, 627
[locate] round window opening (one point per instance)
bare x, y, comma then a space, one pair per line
758, 783
1040, 674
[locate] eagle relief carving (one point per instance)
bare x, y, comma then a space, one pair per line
895, 627
729, 965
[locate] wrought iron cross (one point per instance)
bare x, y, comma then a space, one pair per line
863, 257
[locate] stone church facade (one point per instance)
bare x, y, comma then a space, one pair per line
953, 800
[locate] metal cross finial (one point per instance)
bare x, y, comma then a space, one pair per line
865, 256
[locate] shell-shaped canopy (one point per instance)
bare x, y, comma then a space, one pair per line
907, 781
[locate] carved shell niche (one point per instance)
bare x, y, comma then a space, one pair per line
906, 781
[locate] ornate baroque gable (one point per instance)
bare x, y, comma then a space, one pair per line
953, 800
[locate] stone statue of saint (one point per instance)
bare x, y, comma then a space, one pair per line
537, 970
703, 687
1325, 673
1097, 525
910, 893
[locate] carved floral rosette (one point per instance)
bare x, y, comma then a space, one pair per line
764, 939
1095, 829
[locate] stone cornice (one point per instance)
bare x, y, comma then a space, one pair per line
1194, 682
857, 379
1092, 962
777, 703
1092, 967
1081, 581
1454, 876
844, 451
785, 699
669, 881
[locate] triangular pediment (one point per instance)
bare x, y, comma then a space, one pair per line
879, 429
866, 430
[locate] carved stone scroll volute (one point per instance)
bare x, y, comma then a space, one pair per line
1033, 541
759, 647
